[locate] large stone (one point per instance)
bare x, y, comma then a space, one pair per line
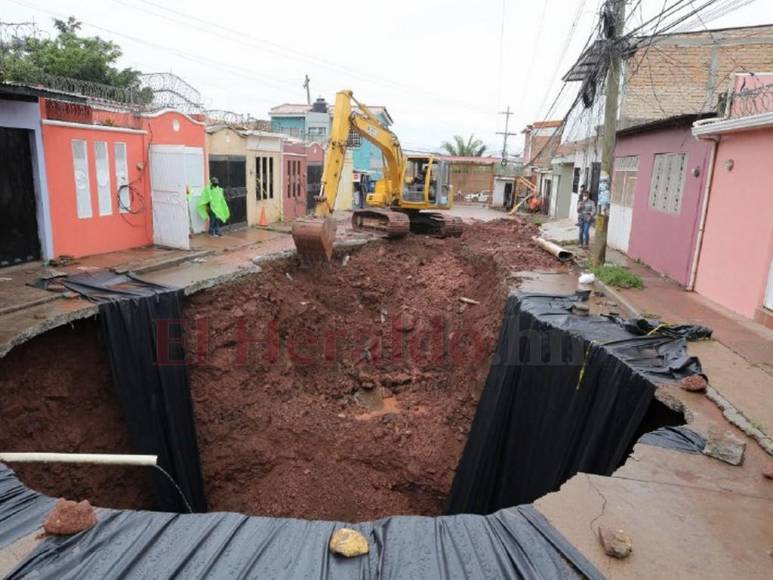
694, 384
348, 542
725, 446
69, 517
616, 543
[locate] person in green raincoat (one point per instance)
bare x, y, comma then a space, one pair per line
212, 205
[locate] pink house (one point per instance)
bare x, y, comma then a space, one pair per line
735, 264
659, 181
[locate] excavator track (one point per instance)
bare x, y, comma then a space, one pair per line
395, 224
436, 224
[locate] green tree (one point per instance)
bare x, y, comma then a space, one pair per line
68, 55
471, 148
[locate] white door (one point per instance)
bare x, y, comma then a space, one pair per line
624, 178
170, 206
194, 179
619, 229
173, 170
769, 290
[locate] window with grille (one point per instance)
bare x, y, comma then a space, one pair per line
264, 178
668, 174
354, 140
576, 180
102, 166
122, 177
80, 160
624, 177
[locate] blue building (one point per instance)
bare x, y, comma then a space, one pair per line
306, 122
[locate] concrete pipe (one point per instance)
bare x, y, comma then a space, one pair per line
561, 253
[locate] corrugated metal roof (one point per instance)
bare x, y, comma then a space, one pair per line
290, 109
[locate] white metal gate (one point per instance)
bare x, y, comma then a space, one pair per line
174, 169
626, 171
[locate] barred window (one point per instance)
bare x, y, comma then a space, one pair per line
354, 140
668, 173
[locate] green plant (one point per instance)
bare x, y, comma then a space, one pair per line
67, 55
471, 148
617, 276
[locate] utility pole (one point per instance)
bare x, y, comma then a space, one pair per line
507, 114
615, 9
308, 90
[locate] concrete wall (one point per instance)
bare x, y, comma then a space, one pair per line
657, 84
268, 148
346, 186
26, 115
738, 240
295, 126
664, 241
96, 234
226, 142
561, 198
117, 230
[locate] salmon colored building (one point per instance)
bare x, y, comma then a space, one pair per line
735, 262
105, 170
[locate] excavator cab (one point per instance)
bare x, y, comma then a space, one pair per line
427, 183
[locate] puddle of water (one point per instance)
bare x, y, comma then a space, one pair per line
376, 404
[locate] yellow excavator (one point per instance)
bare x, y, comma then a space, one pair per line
410, 184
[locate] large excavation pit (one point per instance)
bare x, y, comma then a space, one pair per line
340, 391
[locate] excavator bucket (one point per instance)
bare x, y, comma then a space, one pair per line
314, 237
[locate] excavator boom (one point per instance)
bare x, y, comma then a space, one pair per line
388, 211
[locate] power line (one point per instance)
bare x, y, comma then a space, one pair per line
242, 38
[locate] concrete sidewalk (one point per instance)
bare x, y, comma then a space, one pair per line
26, 311
739, 359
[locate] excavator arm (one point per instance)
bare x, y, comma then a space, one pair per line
388, 211
367, 125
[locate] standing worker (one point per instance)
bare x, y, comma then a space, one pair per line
586, 210
212, 205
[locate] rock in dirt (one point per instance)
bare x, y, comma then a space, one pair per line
767, 473
694, 384
725, 446
348, 542
69, 517
616, 543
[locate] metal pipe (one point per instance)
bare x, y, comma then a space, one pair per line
704, 212
561, 253
90, 458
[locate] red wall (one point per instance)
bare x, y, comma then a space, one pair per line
98, 234
738, 239
118, 231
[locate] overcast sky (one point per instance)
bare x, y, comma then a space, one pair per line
441, 67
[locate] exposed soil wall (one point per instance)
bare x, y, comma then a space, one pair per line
340, 391
57, 395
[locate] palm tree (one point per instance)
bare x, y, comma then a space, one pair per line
471, 148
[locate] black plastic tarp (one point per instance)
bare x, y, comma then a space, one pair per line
512, 543
564, 394
678, 438
22, 510
142, 326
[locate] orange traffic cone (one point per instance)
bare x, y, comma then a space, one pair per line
263, 222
